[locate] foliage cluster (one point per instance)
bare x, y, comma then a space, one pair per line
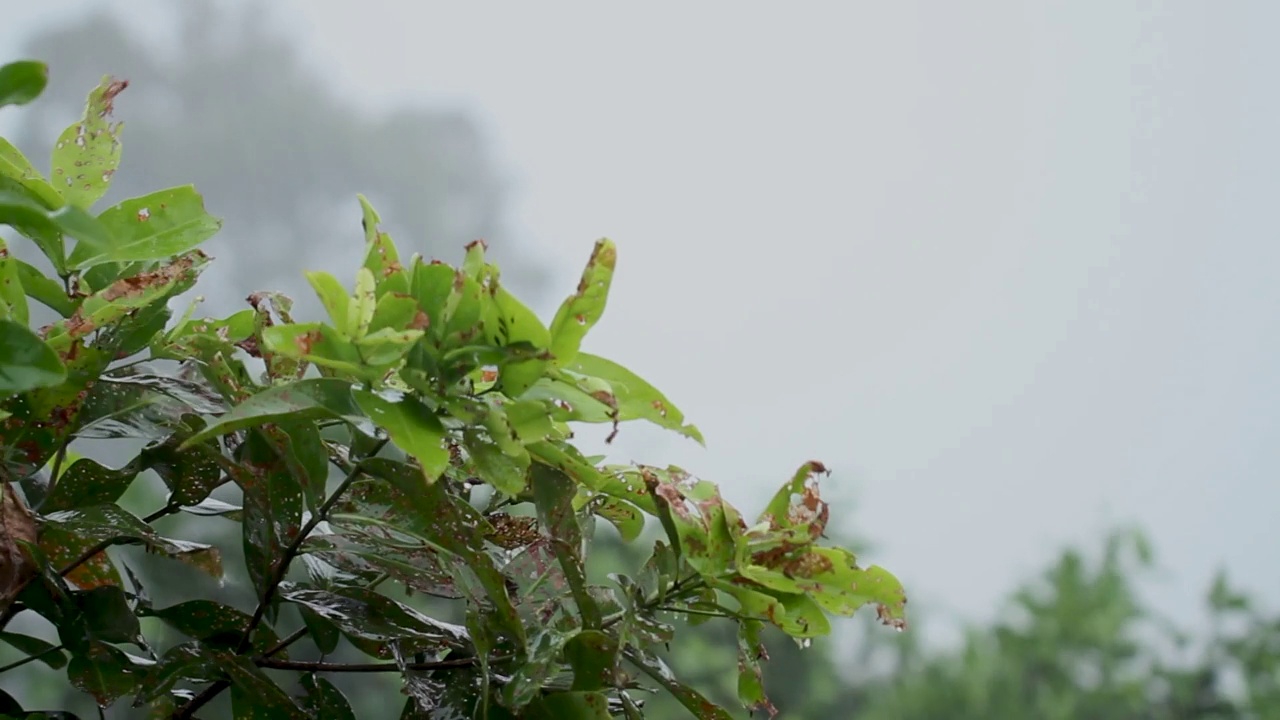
418, 442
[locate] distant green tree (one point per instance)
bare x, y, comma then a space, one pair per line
1080, 644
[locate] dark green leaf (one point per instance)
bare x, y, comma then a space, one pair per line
218, 626
372, 616
28, 363
273, 505
691, 699
312, 399
22, 81
593, 655
105, 616
323, 701
87, 483
189, 661
553, 493
571, 706
113, 525
254, 696
323, 633
103, 671
48, 653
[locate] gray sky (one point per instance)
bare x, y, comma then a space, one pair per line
1006, 267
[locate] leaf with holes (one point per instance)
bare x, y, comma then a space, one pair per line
87, 153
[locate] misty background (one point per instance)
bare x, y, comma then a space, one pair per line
1006, 268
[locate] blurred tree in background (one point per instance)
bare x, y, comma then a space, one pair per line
229, 96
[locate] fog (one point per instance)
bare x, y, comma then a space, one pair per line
1006, 268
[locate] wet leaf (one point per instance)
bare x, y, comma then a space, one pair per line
254, 696
87, 483
273, 505
323, 633
323, 700
190, 474
28, 363
750, 676
103, 615
691, 699
553, 494
86, 154
369, 615
593, 655
311, 399
22, 81
152, 227
104, 672
113, 525
584, 308
189, 661
216, 625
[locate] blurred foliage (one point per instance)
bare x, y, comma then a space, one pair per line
418, 441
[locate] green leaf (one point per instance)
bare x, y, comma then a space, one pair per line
570, 706
108, 306
46, 652
113, 525
105, 672
520, 324
152, 227
412, 427
323, 700
369, 615
323, 633
45, 290
17, 168
190, 474
13, 298
104, 615
28, 363
334, 298
22, 81
87, 483
593, 655
311, 399
693, 701
636, 399
505, 472
216, 625
87, 153
553, 494
254, 696
360, 311
189, 661
583, 309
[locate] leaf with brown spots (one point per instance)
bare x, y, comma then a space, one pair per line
583, 309
87, 153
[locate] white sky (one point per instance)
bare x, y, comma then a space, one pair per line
1006, 267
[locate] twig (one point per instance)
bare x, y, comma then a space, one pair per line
281, 568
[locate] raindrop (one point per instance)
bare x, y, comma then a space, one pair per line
144, 214
805, 643
70, 182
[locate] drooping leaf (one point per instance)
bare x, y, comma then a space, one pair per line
86, 483
693, 701
636, 398
104, 672
273, 505
111, 524
28, 363
22, 81
86, 154
553, 494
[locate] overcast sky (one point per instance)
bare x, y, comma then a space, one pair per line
1006, 267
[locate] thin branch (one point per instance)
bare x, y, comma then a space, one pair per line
29, 658
365, 667
282, 567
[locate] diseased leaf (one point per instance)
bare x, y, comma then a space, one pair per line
636, 399
691, 699
311, 399
86, 154
152, 227
110, 524
584, 308
216, 625
86, 483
